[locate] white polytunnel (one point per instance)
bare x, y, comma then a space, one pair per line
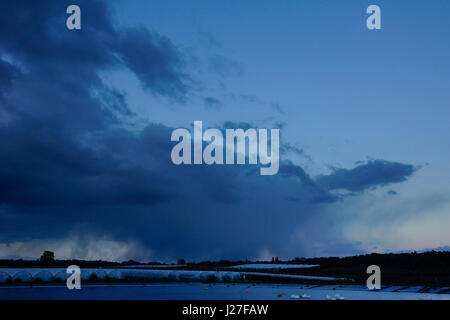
173, 275
115, 274
189, 275
228, 276
43, 275
204, 275
23, 276
101, 274
49, 274
139, 273
4, 276
85, 274
61, 275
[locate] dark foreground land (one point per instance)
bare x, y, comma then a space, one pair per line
430, 268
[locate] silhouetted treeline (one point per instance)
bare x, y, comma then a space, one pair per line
429, 258
413, 259
40, 263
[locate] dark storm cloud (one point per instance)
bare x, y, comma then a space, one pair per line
59, 153
116, 101
366, 176
35, 33
315, 193
48, 168
155, 60
50, 41
67, 163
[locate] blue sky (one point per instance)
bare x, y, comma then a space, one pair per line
364, 114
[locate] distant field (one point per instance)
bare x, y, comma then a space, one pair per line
273, 266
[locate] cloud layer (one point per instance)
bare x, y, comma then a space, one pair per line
69, 167
365, 176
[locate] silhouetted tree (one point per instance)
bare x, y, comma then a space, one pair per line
47, 256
